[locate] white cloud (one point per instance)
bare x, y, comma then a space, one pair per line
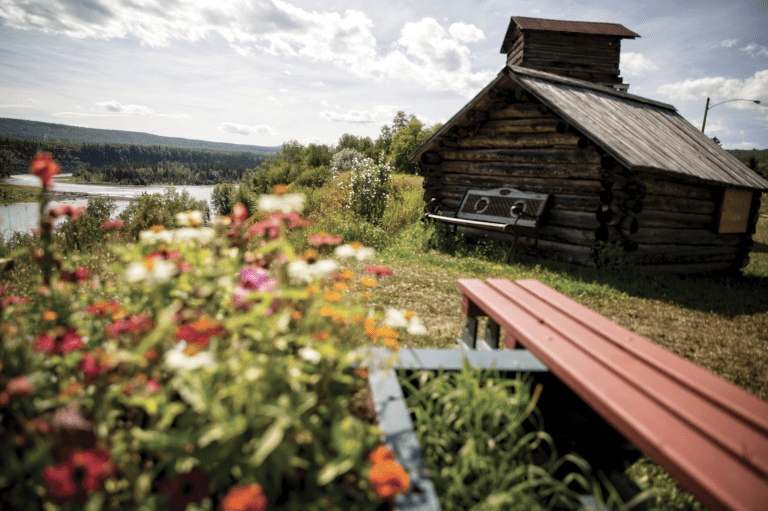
636, 63
353, 116
465, 33
244, 129
742, 145
728, 43
425, 53
755, 50
721, 89
115, 107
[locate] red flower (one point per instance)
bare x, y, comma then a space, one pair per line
103, 307
93, 366
136, 324
79, 477
378, 270
199, 331
295, 221
64, 343
58, 480
269, 226
79, 275
244, 498
15, 300
45, 168
388, 478
185, 488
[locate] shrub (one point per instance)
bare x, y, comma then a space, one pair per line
86, 231
153, 209
313, 177
370, 186
345, 160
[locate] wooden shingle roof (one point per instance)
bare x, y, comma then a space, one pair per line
641, 134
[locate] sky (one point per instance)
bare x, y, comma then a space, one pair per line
265, 72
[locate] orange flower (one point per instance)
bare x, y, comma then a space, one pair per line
366, 295
310, 254
356, 245
332, 296
296, 315
321, 335
370, 326
391, 344
244, 498
347, 274
368, 281
362, 373
357, 318
409, 314
339, 318
340, 286
50, 316
280, 189
387, 332
381, 453
388, 478
157, 228
45, 168
313, 289
326, 311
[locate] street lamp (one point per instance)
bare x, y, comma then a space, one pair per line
707, 107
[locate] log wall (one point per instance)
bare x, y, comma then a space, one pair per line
513, 141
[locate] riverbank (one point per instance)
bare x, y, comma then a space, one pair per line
12, 194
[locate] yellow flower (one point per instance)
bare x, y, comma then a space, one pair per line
368, 281
409, 314
191, 349
356, 245
280, 189
157, 228
332, 296
326, 311
310, 254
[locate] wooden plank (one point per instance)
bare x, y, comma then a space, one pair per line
500, 169
503, 126
519, 140
571, 186
554, 155
661, 235
642, 401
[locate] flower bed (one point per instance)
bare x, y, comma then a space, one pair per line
217, 372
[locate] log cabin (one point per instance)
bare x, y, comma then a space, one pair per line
620, 168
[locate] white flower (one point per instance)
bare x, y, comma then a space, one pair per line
190, 218
285, 203
395, 319
151, 270
200, 235
177, 359
301, 272
416, 327
136, 272
359, 252
310, 355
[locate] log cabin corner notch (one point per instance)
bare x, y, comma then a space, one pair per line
620, 168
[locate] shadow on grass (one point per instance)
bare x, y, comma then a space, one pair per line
760, 248
726, 295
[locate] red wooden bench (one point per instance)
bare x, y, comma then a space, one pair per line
710, 435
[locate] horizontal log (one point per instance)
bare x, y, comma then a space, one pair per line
577, 219
583, 237
574, 202
660, 235
516, 170
673, 254
538, 125
520, 111
554, 155
448, 142
429, 170
552, 186
672, 220
608, 214
519, 140
679, 204
430, 158
655, 186
628, 225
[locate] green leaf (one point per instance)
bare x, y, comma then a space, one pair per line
332, 470
270, 441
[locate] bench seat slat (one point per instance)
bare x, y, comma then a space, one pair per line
479, 224
683, 399
735, 399
718, 478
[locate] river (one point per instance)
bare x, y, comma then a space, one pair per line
23, 216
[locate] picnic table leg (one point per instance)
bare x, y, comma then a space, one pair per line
492, 334
469, 333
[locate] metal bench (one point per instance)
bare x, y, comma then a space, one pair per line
707, 433
501, 209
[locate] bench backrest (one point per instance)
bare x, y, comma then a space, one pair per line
496, 206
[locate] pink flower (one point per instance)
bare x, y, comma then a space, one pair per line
113, 224
45, 343
19, 386
45, 168
70, 341
378, 270
324, 238
240, 213
79, 275
93, 366
153, 386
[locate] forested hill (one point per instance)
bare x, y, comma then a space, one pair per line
50, 132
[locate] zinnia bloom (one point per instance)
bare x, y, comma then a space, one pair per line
79, 477
379, 454
388, 479
378, 270
45, 168
245, 498
185, 488
199, 332
324, 238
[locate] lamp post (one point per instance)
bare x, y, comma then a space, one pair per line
707, 108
